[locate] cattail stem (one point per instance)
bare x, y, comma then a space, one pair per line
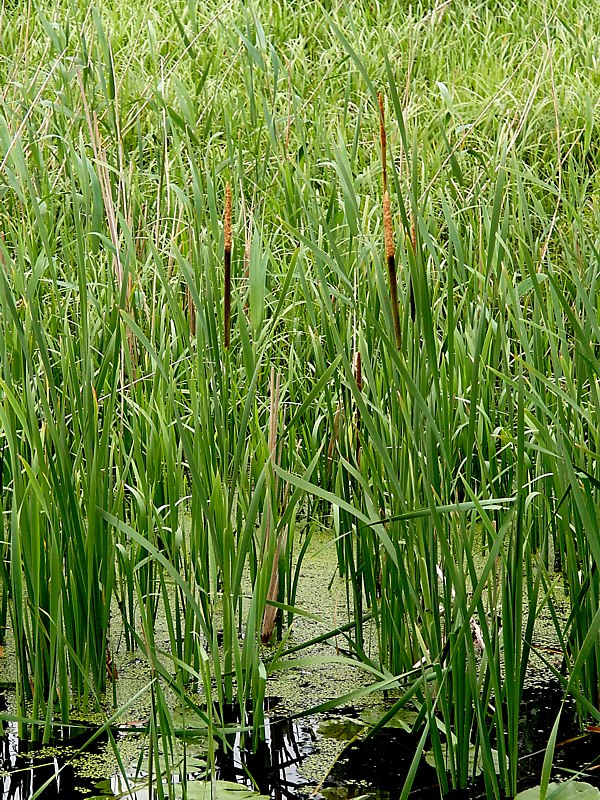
227, 285
390, 258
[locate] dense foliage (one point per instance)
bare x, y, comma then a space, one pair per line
148, 469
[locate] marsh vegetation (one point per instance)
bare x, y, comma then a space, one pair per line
220, 333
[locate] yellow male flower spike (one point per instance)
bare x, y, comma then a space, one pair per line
383, 139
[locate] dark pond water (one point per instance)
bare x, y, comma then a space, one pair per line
274, 765
377, 767
26, 769
374, 768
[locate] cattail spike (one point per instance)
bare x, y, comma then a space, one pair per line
383, 139
227, 284
228, 217
388, 230
390, 257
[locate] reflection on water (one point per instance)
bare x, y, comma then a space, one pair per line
27, 770
273, 767
375, 768
575, 751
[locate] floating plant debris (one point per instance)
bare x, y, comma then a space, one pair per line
570, 790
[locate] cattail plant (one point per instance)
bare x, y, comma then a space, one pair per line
388, 230
227, 255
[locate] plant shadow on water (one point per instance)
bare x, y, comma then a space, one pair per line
375, 767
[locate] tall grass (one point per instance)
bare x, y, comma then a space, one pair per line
213, 316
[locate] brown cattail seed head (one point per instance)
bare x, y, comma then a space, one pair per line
388, 230
228, 217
